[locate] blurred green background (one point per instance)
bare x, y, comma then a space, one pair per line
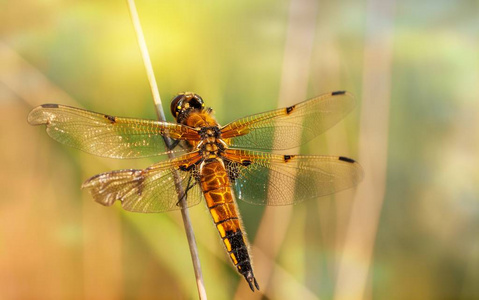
409, 231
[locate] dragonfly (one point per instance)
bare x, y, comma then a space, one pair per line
217, 163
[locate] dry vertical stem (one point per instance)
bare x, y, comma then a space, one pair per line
161, 116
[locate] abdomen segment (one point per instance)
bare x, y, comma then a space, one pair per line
219, 199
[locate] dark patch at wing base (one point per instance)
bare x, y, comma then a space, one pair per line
246, 162
273, 179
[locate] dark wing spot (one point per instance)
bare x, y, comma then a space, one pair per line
112, 119
246, 162
338, 93
349, 160
233, 169
185, 167
287, 157
49, 105
290, 109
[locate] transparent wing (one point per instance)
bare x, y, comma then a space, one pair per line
105, 135
151, 190
269, 179
310, 118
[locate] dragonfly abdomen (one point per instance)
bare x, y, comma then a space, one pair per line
219, 199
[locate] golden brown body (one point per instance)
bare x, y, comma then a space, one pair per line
217, 159
216, 186
219, 199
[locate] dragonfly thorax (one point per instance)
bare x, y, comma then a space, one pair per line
210, 133
211, 144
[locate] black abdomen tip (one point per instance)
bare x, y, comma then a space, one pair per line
251, 280
335, 93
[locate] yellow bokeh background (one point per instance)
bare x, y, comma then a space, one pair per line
409, 231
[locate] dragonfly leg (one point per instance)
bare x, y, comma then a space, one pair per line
189, 186
173, 144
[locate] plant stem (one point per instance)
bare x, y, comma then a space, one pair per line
161, 116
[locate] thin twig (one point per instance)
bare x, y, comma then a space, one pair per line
161, 116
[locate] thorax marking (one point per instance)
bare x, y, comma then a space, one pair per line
211, 144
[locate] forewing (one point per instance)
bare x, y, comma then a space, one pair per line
269, 179
289, 127
151, 190
105, 135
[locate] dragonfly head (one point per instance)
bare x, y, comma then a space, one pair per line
184, 102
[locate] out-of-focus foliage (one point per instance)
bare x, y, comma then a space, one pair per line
56, 243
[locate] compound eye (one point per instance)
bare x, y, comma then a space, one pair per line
176, 104
196, 102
